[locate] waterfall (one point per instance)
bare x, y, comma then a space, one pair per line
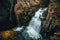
35, 22
33, 29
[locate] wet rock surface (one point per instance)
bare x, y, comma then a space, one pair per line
52, 21
24, 11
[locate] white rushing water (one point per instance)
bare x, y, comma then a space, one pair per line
34, 27
35, 22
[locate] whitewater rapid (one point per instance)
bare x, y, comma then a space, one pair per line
34, 27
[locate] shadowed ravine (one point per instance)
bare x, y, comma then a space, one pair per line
32, 31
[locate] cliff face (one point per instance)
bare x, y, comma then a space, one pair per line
52, 25
24, 10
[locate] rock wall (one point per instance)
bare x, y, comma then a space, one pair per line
24, 10
53, 20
